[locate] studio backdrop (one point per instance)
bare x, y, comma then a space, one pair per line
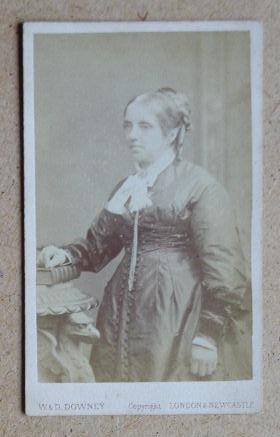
82, 85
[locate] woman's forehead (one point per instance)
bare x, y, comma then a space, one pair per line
142, 110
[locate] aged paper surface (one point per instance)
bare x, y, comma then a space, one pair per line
176, 109
13, 422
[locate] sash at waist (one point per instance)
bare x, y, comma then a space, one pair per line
156, 239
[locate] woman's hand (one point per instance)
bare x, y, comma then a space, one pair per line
204, 357
52, 256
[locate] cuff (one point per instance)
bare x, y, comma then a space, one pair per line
205, 342
74, 255
211, 325
68, 256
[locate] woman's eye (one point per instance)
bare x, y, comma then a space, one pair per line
126, 125
145, 125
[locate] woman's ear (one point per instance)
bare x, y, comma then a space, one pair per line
172, 134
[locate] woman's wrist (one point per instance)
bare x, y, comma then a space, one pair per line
205, 342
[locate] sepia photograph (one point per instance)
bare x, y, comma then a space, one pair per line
142, 149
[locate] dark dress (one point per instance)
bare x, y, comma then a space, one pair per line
189, 280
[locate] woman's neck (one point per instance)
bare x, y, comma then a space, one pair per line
168, 154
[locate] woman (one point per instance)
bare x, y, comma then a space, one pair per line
180, 283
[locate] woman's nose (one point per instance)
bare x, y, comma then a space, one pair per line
133, 133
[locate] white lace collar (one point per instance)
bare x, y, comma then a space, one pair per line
151, 173
133, 195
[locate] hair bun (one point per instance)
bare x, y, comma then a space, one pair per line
182, 104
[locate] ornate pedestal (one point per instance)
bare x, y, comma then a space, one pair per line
65, 333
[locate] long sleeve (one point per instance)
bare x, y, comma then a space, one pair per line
101, 245
220, 259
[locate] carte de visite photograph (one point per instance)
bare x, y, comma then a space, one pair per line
142, 150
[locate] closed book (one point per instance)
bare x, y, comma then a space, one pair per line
56, 275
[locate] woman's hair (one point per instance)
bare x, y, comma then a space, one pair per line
172, 110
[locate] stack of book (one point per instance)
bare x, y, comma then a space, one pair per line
57, 275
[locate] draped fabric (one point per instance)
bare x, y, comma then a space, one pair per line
189, 280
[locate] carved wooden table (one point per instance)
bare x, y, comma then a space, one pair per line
65, 332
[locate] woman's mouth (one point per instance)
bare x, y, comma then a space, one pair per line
136, 148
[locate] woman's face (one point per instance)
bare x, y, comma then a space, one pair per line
143, 133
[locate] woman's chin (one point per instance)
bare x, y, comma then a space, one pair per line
139, 157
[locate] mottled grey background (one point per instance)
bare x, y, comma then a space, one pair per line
13, 421
82, 84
